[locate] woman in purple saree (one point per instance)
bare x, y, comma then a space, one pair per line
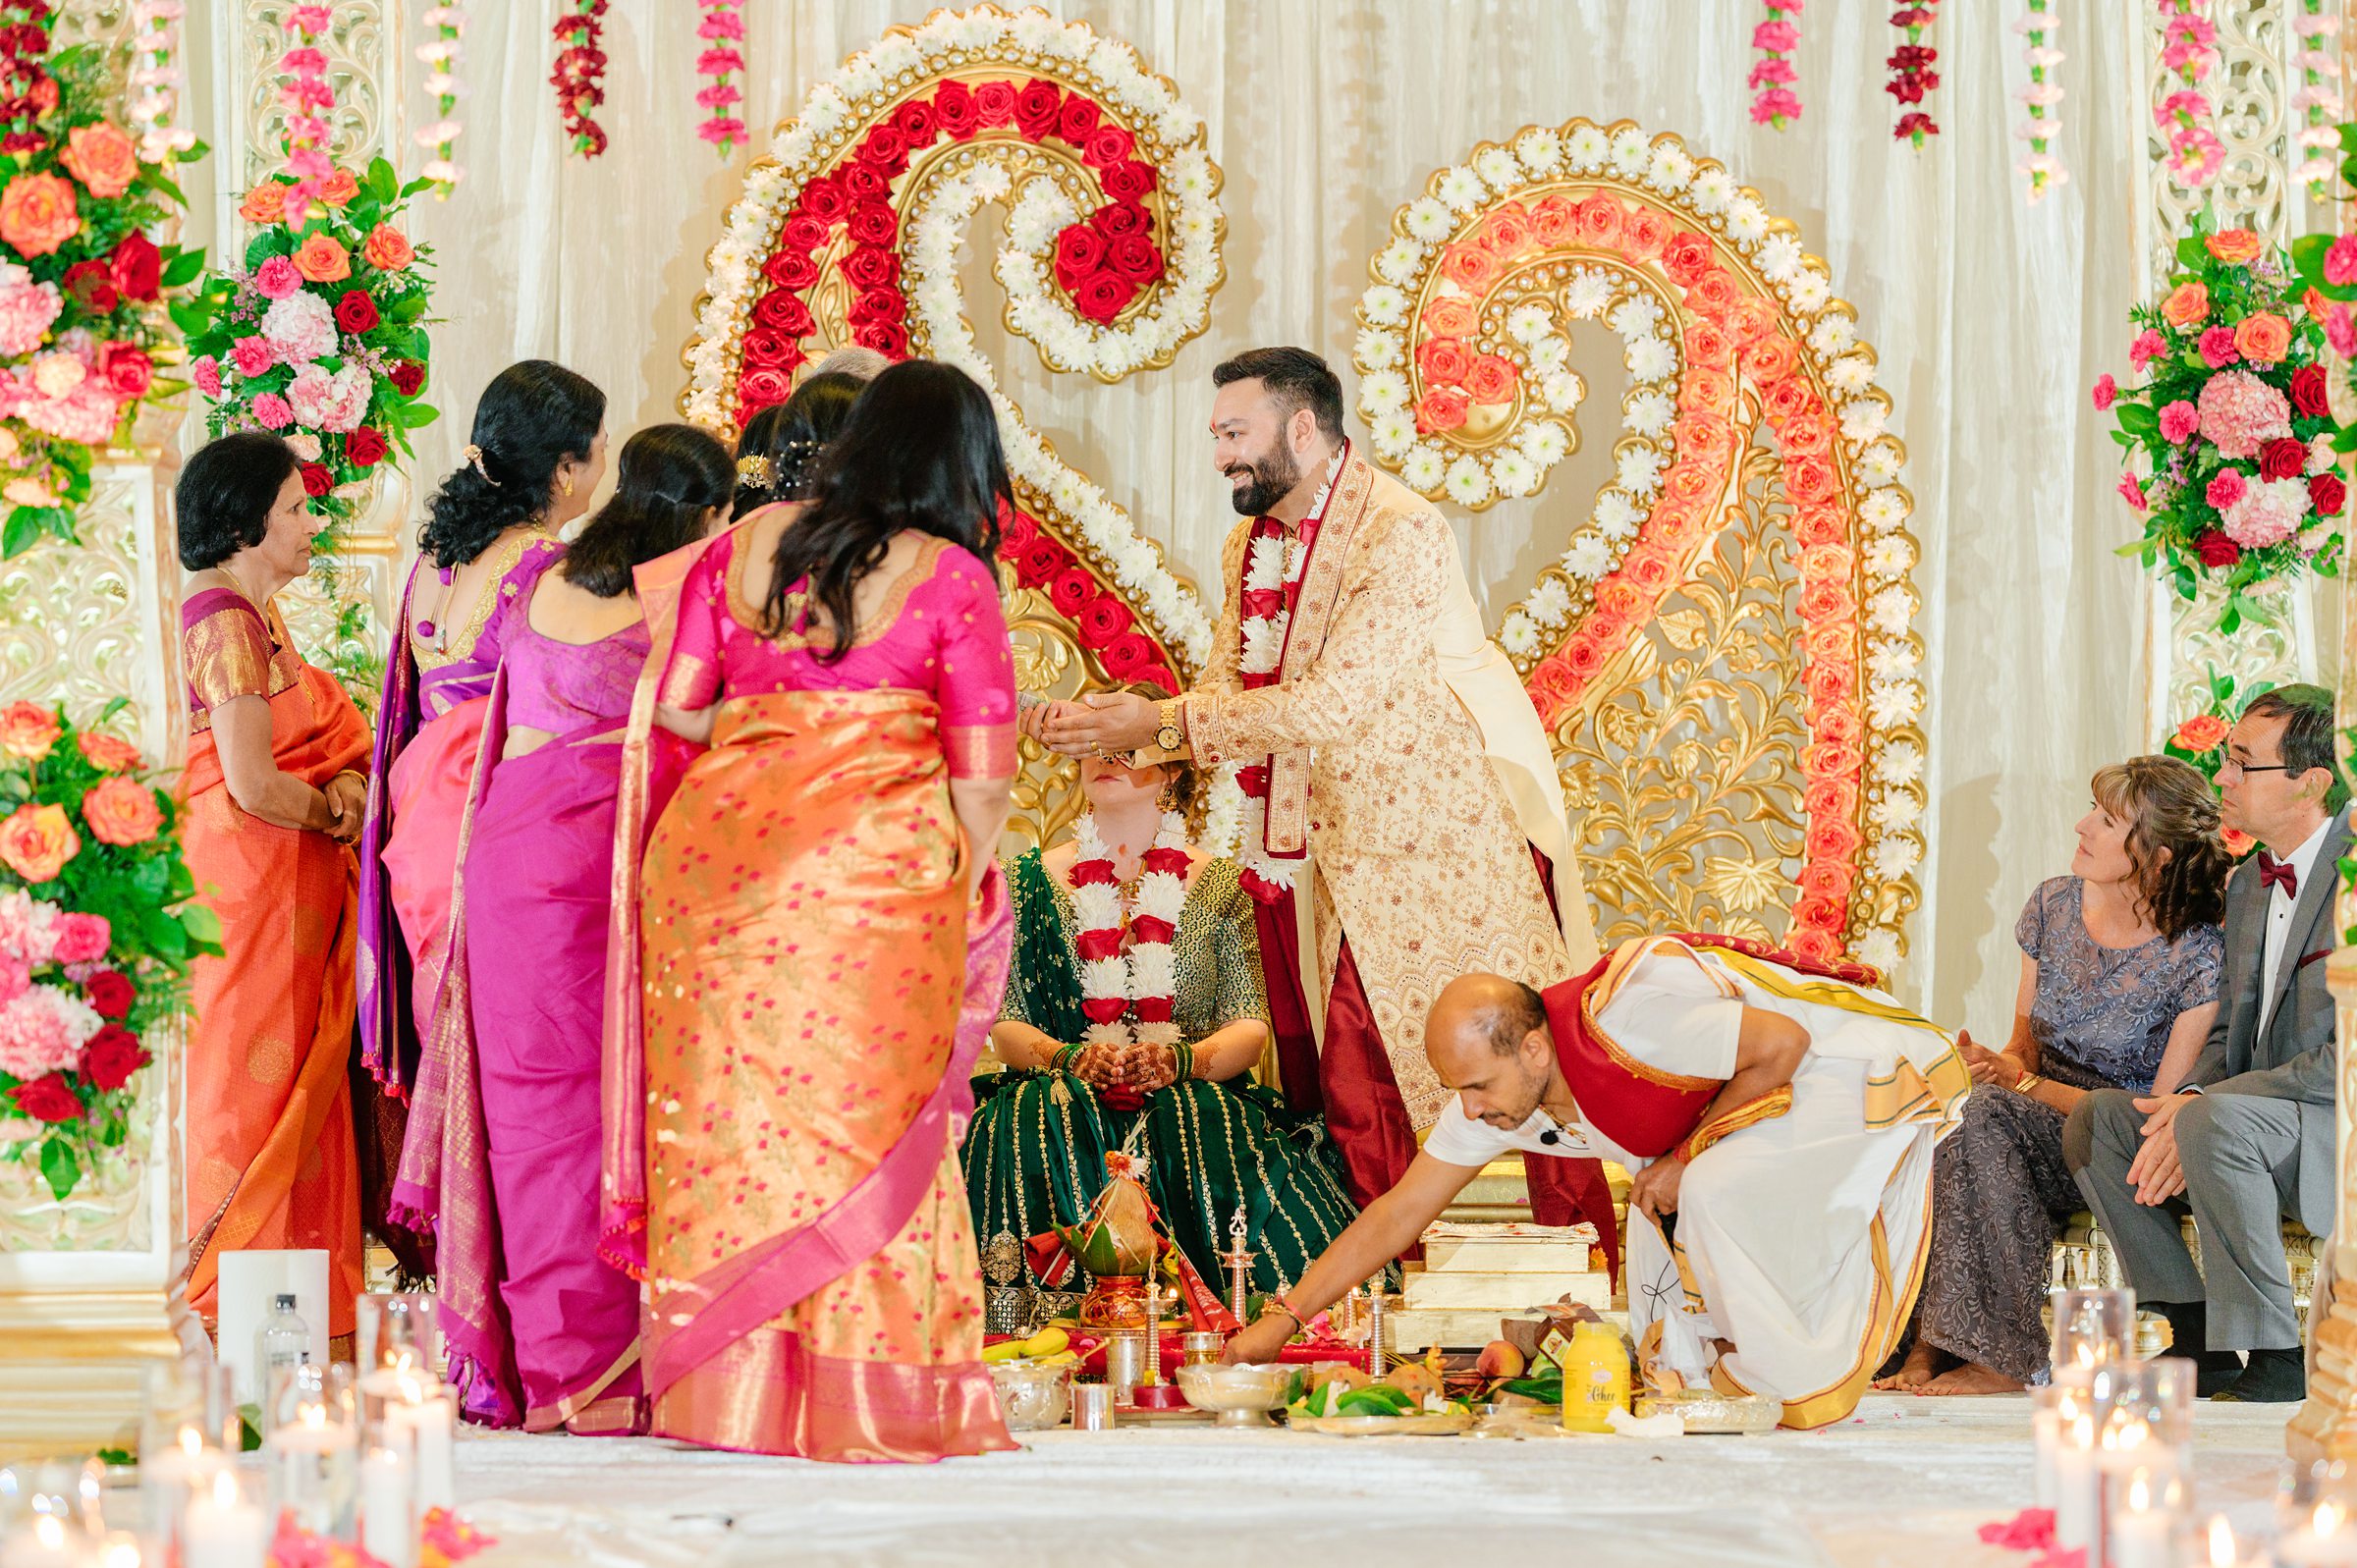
539, 452
507, 1115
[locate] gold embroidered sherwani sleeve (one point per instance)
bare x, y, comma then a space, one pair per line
1390, 593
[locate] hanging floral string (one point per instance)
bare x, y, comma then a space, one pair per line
441, 55
2195, 154
579, 74
155, 82
723, 32
1774, 103
1911, 72
30, 91
2319, 98
303, 90
2044, 92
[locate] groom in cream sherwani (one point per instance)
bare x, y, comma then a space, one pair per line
1409, 782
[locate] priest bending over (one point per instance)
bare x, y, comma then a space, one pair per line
1780, 1116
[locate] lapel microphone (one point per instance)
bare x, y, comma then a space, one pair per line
1550, 1137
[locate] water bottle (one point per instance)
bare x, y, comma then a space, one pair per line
284, 1340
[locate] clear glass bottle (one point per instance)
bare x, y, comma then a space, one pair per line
284, 1340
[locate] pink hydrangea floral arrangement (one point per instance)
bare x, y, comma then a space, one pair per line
96, 931
83, 290
320, 335
2232, 421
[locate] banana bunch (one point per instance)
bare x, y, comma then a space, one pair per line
1050, 1347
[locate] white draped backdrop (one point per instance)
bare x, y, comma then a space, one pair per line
1990, 318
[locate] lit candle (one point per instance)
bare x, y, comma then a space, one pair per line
221, 1528
120, 1550
388, 1521
2139, 1530
424, 1424
2076, 1487
2326, 1541
2223, 1552
312, 1464
169, 1474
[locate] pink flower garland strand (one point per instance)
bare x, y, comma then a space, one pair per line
723, 32
2044, 92
1911, 72
303, 87
1774, 103
440, 56
2195, 154
155, 82
2318, 98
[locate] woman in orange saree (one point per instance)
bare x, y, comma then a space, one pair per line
272, 799
818, 949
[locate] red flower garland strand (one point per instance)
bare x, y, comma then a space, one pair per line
24, 77
579, 75
1911, 72
722, 33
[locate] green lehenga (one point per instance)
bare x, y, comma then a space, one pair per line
1037, 1156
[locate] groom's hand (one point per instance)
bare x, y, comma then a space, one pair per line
1102, 721
2158, 1172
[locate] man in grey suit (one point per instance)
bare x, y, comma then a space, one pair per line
2249, 1137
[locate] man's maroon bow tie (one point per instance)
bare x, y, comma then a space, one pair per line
2272, 871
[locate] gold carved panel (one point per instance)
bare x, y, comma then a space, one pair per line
1684, 755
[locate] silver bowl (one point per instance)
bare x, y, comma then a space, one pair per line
1032, 1397
1242, 1395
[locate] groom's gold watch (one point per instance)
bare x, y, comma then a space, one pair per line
1169, 737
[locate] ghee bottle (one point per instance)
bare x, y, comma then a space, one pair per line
1595, 1377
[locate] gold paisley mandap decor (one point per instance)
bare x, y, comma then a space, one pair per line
1724, 650
848, 230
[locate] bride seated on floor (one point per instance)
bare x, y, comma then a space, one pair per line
1134, 1017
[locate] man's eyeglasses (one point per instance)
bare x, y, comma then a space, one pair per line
2230, 769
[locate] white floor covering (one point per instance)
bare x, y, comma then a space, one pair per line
1902, 1484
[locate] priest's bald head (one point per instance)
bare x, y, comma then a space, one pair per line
1487, 1038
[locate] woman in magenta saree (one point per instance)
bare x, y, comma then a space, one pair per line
539, 451
816, 952
542, 1331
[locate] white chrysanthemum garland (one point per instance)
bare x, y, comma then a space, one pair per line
1657, 172
1138, 974
939, 209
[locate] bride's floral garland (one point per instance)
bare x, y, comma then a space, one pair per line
1265, 598
1129, 988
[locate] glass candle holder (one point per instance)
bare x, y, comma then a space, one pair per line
397, 1330
2092, 1327
2313, 1512
223, 1522
416, 1414
313, 1454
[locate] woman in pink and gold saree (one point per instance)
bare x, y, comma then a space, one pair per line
819, 949
502, 1151
271, 801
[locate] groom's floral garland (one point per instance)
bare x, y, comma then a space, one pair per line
1720, 313
866, 196
1129, 988
1265, 600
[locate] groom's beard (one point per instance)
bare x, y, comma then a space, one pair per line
1272, 479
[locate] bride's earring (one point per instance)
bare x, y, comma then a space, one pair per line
1167, 801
